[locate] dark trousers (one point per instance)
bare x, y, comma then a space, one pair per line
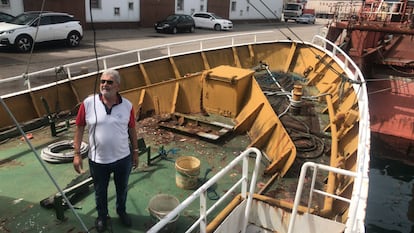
101, 174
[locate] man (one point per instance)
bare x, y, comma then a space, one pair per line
110, 121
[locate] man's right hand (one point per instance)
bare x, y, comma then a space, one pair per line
78, 164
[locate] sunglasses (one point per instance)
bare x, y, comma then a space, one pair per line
109, 82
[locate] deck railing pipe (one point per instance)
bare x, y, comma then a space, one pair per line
203, 190
252, 187
299, 189
217, 203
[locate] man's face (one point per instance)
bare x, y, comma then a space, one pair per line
108, 87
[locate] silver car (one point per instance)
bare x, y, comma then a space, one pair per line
306, 18
33, 27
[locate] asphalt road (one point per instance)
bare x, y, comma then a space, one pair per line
49, 55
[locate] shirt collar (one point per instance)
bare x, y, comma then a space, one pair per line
117, 95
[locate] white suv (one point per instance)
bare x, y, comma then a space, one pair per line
212, 21
22, 31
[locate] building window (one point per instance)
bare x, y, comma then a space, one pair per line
95, 3
180, 5
117, 11
130, 5
233, 6
5, 2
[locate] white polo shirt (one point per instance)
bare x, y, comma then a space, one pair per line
108, 128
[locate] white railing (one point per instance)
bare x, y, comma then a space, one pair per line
347, 63
312, 190
360, 189
36, 80
201, 193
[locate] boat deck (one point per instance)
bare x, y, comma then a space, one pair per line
25, 183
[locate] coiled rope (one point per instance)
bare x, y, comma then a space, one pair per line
62, 151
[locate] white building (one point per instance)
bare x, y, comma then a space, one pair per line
121, 13
255, 9
13, 7
129, 10
114, 11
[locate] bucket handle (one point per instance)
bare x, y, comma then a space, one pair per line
188, 175
159, 217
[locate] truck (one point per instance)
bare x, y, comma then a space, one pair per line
293, 10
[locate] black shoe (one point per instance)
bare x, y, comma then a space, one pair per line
125, 219
100, 224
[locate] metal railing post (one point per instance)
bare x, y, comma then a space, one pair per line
202, 192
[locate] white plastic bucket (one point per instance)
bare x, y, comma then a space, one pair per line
161, 205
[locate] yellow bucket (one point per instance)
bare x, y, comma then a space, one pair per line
187, 172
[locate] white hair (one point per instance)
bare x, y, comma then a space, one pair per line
114, 74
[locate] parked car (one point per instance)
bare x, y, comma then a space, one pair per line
176, 23
33, 27
4, 17
306, 18
212, 21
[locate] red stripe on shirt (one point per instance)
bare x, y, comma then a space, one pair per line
131, 123
81, 117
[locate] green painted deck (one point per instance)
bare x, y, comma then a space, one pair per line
25, 183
